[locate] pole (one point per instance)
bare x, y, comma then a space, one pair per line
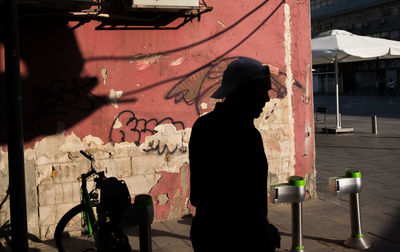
145, 237
355, 216
357, 239
297, 227
338, 123
16, 168
374, 122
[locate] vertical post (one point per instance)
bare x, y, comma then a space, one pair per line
293, 192
297, 227
15, 135
145, 237
326, 84
374, 122
355, 216
357, 239
338, 123
144, 203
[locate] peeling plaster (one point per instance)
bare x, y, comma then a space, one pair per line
172, 143
117, 124
104, 74
162, 199
114, 95
289, 83
311, 185
178, 61
144, 62
220, 23
90, 141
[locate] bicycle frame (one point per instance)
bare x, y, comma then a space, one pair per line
88, 213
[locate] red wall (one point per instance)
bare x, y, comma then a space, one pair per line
165, 75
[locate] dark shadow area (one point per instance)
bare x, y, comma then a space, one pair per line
5, 232
186, 219
73, 244
53, 87
134, 231
115, 15
319, 239
386, 240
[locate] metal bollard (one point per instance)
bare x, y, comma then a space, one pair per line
144, 203
292, 192
140, 213
351, 184
374, 122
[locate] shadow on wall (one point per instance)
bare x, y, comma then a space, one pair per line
52, 85
54, 89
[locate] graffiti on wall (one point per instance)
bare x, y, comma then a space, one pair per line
199, 85
195, 88
161, 148
126, 127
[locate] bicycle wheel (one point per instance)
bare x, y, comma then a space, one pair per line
71, 233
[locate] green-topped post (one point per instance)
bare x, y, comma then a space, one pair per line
297, 217
351, 184
292, 192
357, 239
144, 203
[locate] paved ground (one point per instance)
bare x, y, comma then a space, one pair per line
326, 219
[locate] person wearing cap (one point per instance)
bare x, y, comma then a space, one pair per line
228, 166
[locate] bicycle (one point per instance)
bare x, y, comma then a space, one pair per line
104, 233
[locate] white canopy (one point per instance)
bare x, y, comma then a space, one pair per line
344, 46
337, 46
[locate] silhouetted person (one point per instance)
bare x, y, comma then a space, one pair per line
228, 166
391, 86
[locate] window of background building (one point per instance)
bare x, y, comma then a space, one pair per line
316, 4
395, 34
385, 11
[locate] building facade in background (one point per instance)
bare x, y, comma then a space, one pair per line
374, 18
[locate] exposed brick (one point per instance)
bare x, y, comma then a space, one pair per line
76, 188
59, 194
44, 174
120, 167
70, 172
141, 183
47, 215
68, 193
144, 164
46, 195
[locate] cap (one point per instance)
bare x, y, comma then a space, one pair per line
297, 181
239, 71
352, 173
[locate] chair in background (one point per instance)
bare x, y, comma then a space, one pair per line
320, 118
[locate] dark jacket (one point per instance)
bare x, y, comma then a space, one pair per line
228, 179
